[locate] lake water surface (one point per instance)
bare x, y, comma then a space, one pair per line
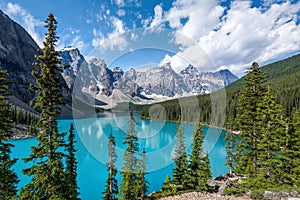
156, 137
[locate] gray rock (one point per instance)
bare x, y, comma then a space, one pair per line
17, 50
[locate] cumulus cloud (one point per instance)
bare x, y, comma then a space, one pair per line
23, 17
194, 55
158, 17
114, 40
232, 38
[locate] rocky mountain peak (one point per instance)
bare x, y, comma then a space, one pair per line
190, 69
151, 83
97, 62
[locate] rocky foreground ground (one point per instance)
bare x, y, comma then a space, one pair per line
204, 196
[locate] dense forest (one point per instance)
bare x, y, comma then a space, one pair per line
214, 109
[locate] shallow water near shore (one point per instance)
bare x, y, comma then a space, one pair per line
156, 137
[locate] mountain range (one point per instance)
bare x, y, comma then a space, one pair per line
161, 82
94, 79
17, 50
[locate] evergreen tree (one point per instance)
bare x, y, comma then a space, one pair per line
167, 187
47, 171
71, 169
248, 102
111, 187
142, 184
130, 166
231, 140
8, 178
207, 167
180, 157
292, 150
272, 127
197, 172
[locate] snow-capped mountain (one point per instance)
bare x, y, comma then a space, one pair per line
95, 78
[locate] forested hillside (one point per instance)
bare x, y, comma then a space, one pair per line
283, 77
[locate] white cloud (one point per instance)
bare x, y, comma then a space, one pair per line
121, 13
133, 36
243, 35
158, 17
78, 43
23, 17
114, 40
146, 22
194, 55
122, 3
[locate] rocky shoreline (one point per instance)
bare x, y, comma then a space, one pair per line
20, 131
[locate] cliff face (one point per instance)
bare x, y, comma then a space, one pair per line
162, 81
17, 50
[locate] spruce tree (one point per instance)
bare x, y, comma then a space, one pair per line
292, 150
142, 184
272, 128
180, 158
248, 102
8, 178
167, 188
71, 169
231, 140
130, 166
47, 170
207, 170
111, 187
197, 171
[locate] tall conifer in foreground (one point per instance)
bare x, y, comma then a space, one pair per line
180, 157
142, 184
248, 102
292, 150
198, 173
111, 187
272, 128
47, 169
8, 178
71, 169
130, 166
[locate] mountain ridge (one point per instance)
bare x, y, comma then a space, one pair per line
149, 84
17, 50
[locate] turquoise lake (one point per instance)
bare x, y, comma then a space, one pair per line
156, 137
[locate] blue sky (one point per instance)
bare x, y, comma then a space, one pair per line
210, 34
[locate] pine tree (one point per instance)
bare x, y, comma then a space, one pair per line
111, 187
71, 169
47, 171
197, 172
180, 158
130, 166
142, 184
8, 178
292, 150
248, 102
